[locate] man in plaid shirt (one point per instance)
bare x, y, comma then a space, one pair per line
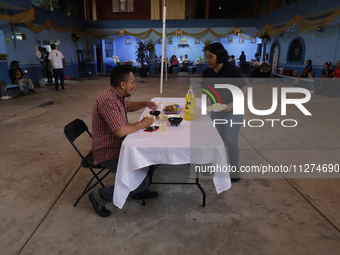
110, 127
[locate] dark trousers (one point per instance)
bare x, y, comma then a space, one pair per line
59, 72
48, 74
185, 67
171, 68
105, 195
243, 66
229, 135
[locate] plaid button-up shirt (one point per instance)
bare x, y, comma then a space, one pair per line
109, 114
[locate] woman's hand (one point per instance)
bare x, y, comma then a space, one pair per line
229, 107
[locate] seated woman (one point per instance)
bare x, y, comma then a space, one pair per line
174, 63
334, 90
321, 84
306, 73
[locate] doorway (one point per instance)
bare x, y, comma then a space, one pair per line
259, 50
275, 58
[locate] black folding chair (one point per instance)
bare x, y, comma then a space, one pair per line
72, 131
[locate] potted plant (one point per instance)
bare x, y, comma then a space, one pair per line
52, 5
141, 53
265, 37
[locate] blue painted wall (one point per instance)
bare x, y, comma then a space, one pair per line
24, 51
126, 52
196, 50
325, 43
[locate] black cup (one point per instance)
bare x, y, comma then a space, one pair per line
155, 113
175, 121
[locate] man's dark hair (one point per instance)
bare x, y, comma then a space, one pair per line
218, 50
118, 74
256, 55
53, 46
43, 49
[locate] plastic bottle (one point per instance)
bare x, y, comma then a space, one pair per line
190, 101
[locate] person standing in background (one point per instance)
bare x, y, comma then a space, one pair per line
242, 62
46, 65
58, 61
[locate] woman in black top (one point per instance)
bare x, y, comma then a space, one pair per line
219, 67
305, 73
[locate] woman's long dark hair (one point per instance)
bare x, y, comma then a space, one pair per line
218, 50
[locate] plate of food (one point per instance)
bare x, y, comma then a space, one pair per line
172, 109
216, 107
178, 112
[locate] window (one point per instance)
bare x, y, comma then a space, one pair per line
296, 51
20, 36
122, 6
108, 48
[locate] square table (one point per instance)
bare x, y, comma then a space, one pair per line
196, 142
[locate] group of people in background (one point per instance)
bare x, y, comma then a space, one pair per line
322, 85
183, 63
51, 60
328, 87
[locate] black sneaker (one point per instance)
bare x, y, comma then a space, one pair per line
21, 94
33, 91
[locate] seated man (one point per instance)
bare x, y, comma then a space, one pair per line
256, 59
3, 90
180, 60
186, 62
110, 127
16, 76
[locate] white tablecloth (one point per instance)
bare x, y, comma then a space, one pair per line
195, 142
